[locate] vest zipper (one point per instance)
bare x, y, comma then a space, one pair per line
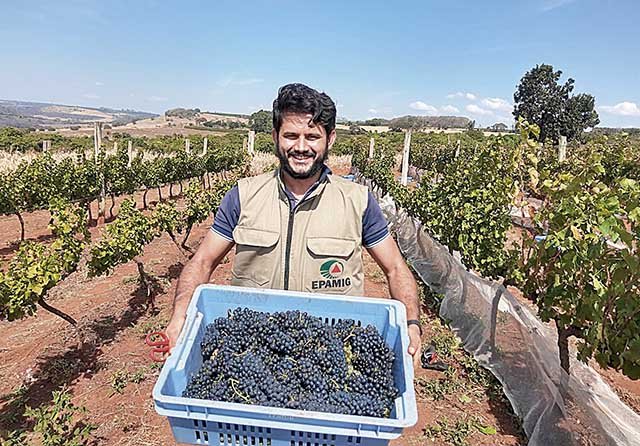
287, 255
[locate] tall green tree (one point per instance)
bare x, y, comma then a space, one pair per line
541, 99
261, 121
578, 115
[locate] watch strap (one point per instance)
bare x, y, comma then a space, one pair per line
415, 322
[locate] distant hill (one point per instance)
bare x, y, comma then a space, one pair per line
43, 115
443, 122
617, 130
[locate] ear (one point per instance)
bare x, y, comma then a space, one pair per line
332, 138
274, 136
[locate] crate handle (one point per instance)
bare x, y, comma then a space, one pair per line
190, 336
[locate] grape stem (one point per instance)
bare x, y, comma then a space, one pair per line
237, 392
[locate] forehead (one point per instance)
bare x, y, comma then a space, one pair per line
300, 122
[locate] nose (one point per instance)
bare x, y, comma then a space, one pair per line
301, 144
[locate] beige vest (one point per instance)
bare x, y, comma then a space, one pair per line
317, 248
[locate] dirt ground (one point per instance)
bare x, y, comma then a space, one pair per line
105, 363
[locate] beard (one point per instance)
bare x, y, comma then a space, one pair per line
311, 171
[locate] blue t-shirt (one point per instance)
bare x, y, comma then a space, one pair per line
374, 225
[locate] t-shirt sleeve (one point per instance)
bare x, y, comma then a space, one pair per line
374, 225
226, 218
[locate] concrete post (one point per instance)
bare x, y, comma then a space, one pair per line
252, 141
405, 157
97, 146
97, 140
562, 148
129, 152
204, 146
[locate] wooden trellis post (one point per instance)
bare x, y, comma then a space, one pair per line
46, 145
187, 146
372, 143
405, 157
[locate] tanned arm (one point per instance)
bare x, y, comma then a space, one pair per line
402, 286
196, 272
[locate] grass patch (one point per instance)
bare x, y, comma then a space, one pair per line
121, 378
456, 433
154, 323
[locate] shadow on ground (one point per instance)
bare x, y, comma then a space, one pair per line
54, 371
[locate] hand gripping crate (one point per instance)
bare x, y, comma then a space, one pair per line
196, 421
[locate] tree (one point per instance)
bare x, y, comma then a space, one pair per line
579, 114
542, 100
261, 121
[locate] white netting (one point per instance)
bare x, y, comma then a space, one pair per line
508, 339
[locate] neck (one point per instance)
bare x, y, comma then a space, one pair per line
298, 186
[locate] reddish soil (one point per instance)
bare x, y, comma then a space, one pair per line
97, 361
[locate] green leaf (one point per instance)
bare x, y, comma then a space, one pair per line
487, 430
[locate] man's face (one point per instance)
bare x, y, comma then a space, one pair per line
301, 145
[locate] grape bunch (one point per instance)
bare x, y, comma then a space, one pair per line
293, 360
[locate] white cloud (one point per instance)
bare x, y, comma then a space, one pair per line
497, 104
548, 5
419, 105
233, 80
255, 108
622, 109
380, 111
90, 96
450, 109
473, 108
459, 94
99, 84
157, 99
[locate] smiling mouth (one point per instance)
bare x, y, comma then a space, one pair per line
301, 156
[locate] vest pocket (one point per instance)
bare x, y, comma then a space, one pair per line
330, 265
256, 256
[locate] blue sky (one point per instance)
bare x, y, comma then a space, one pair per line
374, 58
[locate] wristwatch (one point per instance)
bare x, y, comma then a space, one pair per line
415, 322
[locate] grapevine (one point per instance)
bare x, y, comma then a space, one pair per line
36, 267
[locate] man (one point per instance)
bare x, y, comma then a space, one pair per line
300, 228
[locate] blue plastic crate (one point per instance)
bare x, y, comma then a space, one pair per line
196, 421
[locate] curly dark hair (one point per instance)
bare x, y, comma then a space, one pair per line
299, 98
